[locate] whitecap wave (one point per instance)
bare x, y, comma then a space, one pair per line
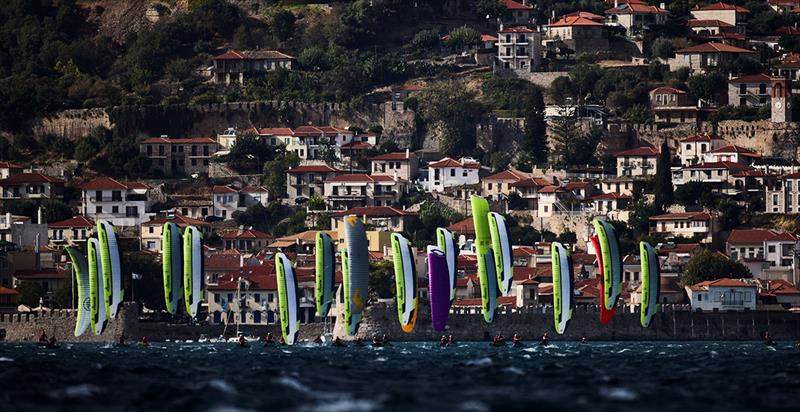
222, 386
4, 359
473, 406
479, 362
619, 394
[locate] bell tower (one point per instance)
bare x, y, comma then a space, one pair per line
781, 100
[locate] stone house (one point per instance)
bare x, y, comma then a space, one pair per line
308, 181
581, 34
179, 157
703, 57
782, 195
226, 199
353, 190
237, 66
718, 175
728, 13
519, 50
379, 217
634, 17
528, 190
769, 254
70, 232
498, 186
22, 231
519, 12
30, 185
246, 240
405, 164
698, 225
670, 105
640, 161
693, 149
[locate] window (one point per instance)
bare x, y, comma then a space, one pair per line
257, 297
762, 88
114, 209
452, 172
194, 162
771, 248
743, 88
98, 195
151, 229
699, 297
98, 209
151, 244
490, 186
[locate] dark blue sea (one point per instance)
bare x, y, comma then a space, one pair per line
603, 376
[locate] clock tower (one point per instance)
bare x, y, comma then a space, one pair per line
781, 100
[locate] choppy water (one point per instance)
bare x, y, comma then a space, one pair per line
604, 376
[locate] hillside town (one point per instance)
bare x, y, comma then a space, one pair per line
675, 122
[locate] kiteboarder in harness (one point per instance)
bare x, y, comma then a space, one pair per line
386, 340
517, 340
545, 340
768, 339
451, 341
318, 340
269, 339
376, 343
337, 342
359, 341
43, 337
584, 341
443, 341
242, 341
144, 342
52, 343
121, 341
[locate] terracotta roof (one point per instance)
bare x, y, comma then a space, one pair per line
680, 248
752, 78
552, 189
222, 261
727, 35
163, 140
609, 196
781, 287
515, 5
464, 227
252, 55
507, 175
635, 8
722, 282
720, 6
749, 173
717, 165
585, 15
275, 131
713, 47
757, 236
363, 178
357, 145
639, 151
516, 30
701, 138
261, 277
254, 189
570, 21
223, 189
577, 185
246, 234
313, 169
684, 216
668, 90
7, 291
707, 23
736, 149
476, 302
29, 178
488, 37
391, 156
448, 162
318, 130
177, 219
107, 183
76, 221
532, 182
10, 165
373, 211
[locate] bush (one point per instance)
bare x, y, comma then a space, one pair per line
425, 40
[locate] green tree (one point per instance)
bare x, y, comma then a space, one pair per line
491, 9
425, 40
313, 58
663, 179
663, 48
274, 173
567, 238
29, 293
453, 111
463, 37
381, 280
706, 265
283, 25
433, 214
708, 86
149, 290
562, 90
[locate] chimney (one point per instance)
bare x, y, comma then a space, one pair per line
39, 215
408, 151
616, 4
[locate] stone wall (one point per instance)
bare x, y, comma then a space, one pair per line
61, 323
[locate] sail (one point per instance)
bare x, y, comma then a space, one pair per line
172, 265
192, 269
605, 314
405, 277
96, 287
325, 273
288, 298
480, 217
612, 262
357, 277
80, 267
438, 287
112, 270
562, 286
651, 282
501, 245
446, 242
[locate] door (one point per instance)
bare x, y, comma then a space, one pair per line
257, 317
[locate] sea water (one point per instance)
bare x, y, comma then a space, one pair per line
565, 376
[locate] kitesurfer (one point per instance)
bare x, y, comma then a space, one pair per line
242, 341
376, 343
545, 339
451, 341
52, 343
318, 340
584, 341
499, 340
443, 341
517, 340
337, 342
269, 339
359, 341
768, 339
281, 341
43, 337
386, 340
145, 342
121, 341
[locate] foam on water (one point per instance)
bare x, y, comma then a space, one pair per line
619, 394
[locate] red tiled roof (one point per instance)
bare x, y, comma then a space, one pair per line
476, 302
668, 90
29, 178
254, 189
391, 156
576, 185
717, 165
789, 2
222, 261
707, 23
552, 189
722, 282
223, 189
516, 30
639, 151
781, 287
49, 273
363, 178
532, 182
736, 149
787, 31
752, 78
373, 211
177, 219
570, 21
507, 175
107, 183
356, 145
10, 165
488, 37
275, 131
515, 5
247, 234
261, 277
609, 196
713, 47
313, 169
757, 236
749, 173
585, 15
163, 140
678, 248
76, 221
720, 6
684, 216
252, 55
464, 227
318, 130
448, 162
7, 291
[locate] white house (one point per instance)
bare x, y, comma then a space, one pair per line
122, 204
640, 161
693, 149
722, 295
701, 225
227, 200
769, 254
451, 173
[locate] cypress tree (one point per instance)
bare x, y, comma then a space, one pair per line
663, 183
